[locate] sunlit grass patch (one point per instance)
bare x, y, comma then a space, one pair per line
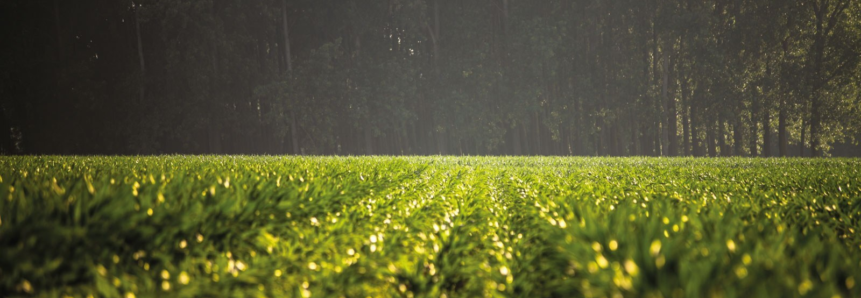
428, 226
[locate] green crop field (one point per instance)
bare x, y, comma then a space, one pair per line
224, 226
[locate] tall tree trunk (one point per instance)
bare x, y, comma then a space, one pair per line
721, 137
801, 145
695, 133
565, 132
294, 135
618, 139
140, 56
737, 141
766, 113
460, 146
7, 145
766, 133
660, 126
650, 148
516, 136
686, 134
576, 141
670, 99
287, 56
783, 141
781, 129
438, 136
415, 147
527, 144
754, 126
442, 142
665, 110
537, 135
711, 139
815, 123
434, 37
686, 122
635, 133
826, 17
215, 133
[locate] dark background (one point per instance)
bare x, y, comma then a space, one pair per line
548, 77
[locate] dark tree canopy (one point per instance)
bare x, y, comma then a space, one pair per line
514, 77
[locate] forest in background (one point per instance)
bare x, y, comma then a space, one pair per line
488, 77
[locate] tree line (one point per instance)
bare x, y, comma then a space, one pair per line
512, 77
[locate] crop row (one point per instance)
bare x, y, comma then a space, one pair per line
242, 226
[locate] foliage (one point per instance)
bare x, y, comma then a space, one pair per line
265, 226
497, 77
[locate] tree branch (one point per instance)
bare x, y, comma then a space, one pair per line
832, 18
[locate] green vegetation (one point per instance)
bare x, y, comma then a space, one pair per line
238, 226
